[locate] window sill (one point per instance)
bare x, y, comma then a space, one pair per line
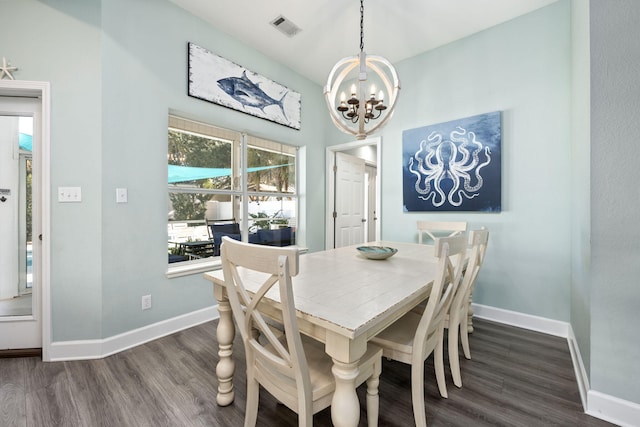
188, 268
197, 266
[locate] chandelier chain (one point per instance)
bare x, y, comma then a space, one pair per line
361, 25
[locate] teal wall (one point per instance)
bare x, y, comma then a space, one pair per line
522, 68
116, 69
59, 42
580, 184
143, 76
615, 251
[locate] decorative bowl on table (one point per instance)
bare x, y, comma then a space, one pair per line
376, 252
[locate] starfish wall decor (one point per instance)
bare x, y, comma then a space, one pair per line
6, 69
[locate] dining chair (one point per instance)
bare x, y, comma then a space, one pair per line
435, 229
481, 254
222, 227
456, 322
413, 337
294, 368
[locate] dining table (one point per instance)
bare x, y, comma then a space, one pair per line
342, 299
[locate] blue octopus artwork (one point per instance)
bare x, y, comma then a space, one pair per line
453, 166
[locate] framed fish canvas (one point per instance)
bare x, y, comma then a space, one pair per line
453, 166
220, 81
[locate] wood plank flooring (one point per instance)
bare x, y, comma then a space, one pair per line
516, 378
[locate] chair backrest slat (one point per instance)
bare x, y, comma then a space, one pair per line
478, 240
435, 229
450, 252
478, 243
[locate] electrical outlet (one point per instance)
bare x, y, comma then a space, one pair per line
146, 302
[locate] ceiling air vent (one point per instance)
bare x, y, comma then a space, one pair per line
285, 26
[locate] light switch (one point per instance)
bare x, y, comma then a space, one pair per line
121, 195
69, 194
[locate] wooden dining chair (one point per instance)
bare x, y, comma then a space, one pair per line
435, 229
295, 369
456, 322
413, 337
481, 254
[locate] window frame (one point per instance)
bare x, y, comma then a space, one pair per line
239, 187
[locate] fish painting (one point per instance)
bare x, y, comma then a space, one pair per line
249, 94
215, 79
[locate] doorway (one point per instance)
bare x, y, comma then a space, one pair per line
24, 165
369, 151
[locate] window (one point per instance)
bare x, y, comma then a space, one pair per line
212, 195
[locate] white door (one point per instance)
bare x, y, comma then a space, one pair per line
349, 200
370, 205
20, 313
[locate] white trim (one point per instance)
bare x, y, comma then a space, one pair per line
521, 320
578, 367
193, 267
97, 349
599, 405
45, 222
612, 409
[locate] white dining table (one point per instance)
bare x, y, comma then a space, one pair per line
343, 300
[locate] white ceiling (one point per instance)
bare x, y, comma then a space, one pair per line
395, 30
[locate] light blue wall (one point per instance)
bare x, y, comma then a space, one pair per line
116, 69
521, 68
615, 124
580, 184
59, 42
144, 75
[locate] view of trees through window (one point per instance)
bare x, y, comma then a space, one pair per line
207, 190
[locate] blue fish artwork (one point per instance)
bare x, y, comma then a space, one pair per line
249, 94
219, 81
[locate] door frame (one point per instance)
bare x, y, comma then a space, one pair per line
41, 91
330, 184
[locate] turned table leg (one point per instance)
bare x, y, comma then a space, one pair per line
345, 407
226, 366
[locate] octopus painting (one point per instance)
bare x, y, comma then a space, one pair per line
453, 166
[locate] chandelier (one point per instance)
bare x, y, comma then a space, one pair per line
364, 111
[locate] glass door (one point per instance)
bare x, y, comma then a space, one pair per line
16, 275
19, 294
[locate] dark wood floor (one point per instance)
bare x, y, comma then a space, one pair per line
516, 378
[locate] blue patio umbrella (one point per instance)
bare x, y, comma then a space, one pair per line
25, 141
190, 173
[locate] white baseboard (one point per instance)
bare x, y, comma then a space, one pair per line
521, 320
599, 405
97, 349
578, 368
612, 409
